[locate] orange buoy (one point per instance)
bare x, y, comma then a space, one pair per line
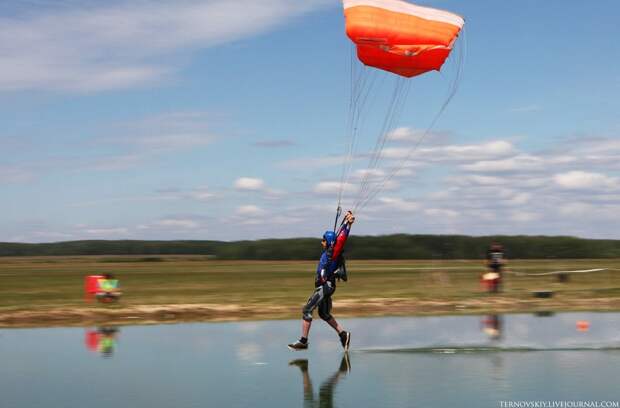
583, 325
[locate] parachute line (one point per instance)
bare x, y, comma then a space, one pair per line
461, 54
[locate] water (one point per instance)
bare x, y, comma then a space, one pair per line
451, 361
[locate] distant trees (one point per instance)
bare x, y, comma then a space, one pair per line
399, 246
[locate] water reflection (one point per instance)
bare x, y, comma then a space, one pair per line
326, 391
492, 326
432, 361
102, 340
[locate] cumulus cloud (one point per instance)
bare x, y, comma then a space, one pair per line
522, 162
202, 194
250, 210
441, 213
524, 216
582, 180
177, 223
451, 153
405, 134
249, 183
333, 187
118, 44
399, 204
108, 232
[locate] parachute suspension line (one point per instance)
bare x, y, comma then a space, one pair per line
461, 55
394, 112
383, 134
348, 134
361, 84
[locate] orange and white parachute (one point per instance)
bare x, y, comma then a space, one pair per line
401, 37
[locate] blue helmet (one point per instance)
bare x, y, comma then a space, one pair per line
330, 237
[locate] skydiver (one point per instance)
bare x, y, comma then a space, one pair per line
330, 267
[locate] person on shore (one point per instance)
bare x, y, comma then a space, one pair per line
330, 268
495, 262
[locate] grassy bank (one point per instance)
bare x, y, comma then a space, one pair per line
49, 290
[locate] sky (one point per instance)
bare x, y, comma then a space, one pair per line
228, 120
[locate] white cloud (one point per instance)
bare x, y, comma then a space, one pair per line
405, 134
519, 199
584, 180
118, 44
250, 211
524, 216
177, 223
332, 187
249, 183
202, 195
522, 162
107, 232
441, 213
479, 180
399, 204
483, 151
576, 209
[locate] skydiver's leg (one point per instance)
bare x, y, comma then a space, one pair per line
314, 300
336, 326
325, 308
305, 328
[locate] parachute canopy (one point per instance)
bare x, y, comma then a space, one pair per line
400, 37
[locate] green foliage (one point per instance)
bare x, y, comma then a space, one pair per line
399, 246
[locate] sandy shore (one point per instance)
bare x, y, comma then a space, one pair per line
172, 313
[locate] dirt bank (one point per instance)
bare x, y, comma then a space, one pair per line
174, 313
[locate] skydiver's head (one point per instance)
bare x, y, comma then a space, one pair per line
328, 239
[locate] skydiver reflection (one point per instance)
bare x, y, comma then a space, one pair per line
492, 325
326, 392
102, 340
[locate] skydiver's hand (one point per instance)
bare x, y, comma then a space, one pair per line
349, 218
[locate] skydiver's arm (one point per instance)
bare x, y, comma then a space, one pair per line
343, 235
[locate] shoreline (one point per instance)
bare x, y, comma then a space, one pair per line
120, 315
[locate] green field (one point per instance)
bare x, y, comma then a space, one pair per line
41, 284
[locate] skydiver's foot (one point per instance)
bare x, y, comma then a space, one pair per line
345, 339
302, 363
299, 345
345, 364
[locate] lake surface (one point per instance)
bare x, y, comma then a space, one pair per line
449, 361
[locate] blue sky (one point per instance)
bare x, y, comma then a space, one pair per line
227, 120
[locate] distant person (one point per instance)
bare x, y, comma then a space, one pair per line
330, 267
109, 290
495, 262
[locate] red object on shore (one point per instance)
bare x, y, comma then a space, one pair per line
91, 284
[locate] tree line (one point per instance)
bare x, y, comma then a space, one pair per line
399, 246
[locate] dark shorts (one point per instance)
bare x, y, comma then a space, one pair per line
321, 298
497, 268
